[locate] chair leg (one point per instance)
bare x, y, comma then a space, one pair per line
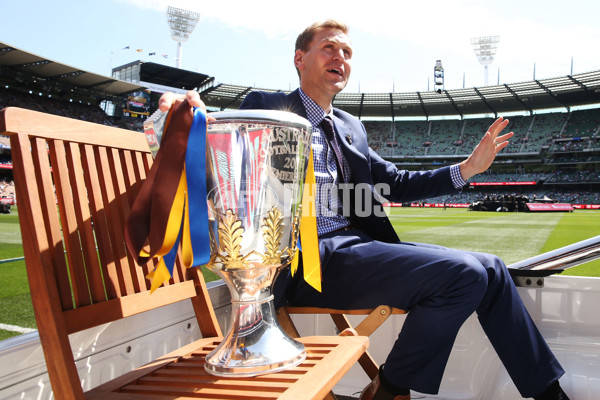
373, 321
369, 365
286, 323
341, 322
365, 328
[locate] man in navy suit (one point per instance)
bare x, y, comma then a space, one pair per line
364, 264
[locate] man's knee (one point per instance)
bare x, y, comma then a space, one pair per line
496, 268
473, 277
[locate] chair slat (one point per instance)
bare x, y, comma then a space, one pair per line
141, 165
122, 204
86, 317
131, 176
101, 227
112, 215
84, 223
49, 215
71, 238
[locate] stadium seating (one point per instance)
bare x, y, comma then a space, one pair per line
544, 143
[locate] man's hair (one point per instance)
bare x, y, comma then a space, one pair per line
303, 40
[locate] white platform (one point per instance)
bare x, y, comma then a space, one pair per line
567, 310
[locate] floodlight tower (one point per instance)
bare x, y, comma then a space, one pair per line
485, 49
438, 76
182, 23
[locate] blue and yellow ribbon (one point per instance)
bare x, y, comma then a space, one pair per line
150, 232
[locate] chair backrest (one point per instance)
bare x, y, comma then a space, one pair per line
75, 183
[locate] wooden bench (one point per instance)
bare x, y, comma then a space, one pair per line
75, 184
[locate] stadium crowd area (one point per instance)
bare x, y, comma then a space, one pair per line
554, 132
33, 100
565, 148
568, 145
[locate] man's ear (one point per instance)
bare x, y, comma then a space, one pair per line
299, 59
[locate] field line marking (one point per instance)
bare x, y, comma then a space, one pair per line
15, 328
8, 260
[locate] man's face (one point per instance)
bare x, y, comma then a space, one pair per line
325, 67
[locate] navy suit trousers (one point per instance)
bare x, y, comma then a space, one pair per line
441, 288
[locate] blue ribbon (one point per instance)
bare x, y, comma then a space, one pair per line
195, 161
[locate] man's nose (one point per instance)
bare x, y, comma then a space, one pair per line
339, 55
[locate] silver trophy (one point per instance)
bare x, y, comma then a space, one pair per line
256, 162
256, 165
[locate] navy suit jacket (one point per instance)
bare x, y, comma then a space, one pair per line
372, 177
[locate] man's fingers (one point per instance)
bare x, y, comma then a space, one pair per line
167, 100
498, 126
193, 99
502, 141
495, 124
505, 137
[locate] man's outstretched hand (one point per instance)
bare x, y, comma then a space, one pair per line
485, 152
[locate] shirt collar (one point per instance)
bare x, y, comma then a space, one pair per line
314, 112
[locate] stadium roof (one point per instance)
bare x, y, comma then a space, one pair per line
174, 77
562, 92
163, 75
19, 61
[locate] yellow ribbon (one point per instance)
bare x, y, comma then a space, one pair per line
311, 261
179, 209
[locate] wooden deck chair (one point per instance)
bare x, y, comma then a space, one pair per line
374, 318
75, 183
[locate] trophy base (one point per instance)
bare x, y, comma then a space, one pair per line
255, 344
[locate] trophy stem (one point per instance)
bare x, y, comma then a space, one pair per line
255, 343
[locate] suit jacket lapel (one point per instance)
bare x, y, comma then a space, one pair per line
357, 160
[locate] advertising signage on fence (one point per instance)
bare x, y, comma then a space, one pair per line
586, 206
501, 183
549, 207
436, 205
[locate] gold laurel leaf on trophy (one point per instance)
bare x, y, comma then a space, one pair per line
295, 228
230, 236
272, 233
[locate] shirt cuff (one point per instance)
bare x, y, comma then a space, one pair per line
456, 176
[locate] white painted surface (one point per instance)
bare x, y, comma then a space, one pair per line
567, 310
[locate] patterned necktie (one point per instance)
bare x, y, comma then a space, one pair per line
327, 126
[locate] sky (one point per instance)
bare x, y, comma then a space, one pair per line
396, 42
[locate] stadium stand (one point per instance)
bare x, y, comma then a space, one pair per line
556, 146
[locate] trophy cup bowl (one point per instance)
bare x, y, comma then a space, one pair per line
256, 165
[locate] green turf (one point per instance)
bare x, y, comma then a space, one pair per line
512, 236
574, 227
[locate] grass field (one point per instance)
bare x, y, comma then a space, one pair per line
512, 236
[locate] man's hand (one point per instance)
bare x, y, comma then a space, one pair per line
485, 152
167, 100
